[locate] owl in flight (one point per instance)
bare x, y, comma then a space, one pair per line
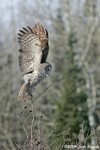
33, 53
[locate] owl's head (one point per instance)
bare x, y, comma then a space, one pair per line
45, 69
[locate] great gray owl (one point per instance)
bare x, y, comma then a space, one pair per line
33, 53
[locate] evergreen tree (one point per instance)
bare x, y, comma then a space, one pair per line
72, 106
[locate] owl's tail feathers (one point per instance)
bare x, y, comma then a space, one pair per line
23, 94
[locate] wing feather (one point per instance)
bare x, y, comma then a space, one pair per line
26, 30
30, 29
34, 47
42, 34
30, 51
23, 32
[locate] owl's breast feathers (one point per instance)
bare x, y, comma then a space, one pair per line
34, 82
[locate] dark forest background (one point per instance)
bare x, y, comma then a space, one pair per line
69, 111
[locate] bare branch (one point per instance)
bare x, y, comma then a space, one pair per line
89, 40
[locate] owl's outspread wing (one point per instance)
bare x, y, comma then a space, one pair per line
33, 48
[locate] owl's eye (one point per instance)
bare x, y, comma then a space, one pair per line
48, 69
